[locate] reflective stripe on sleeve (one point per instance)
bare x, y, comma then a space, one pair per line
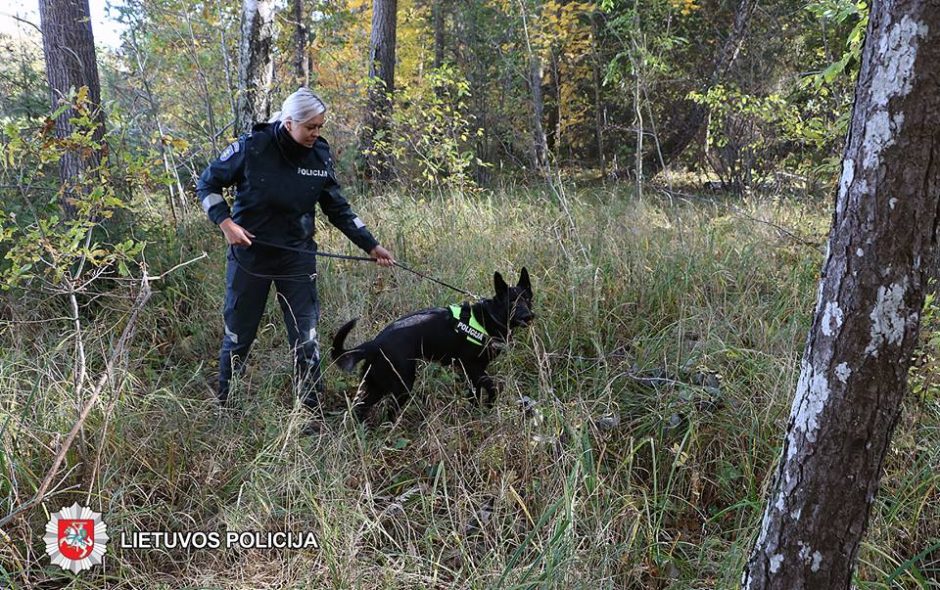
211, 200
359, 223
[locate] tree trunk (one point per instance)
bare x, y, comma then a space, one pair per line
673, 146
478, 79
381, 88
598, 83
539, 141
177, 192
858, 352
231, 90
437, 16
301, 64
255, 63
553, 126
195, 53
69, 49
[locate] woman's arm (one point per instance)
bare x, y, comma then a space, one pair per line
224, 172
341, 215
229, 169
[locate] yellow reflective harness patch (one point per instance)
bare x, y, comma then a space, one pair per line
466, 323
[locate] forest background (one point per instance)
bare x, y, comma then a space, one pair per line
666, 171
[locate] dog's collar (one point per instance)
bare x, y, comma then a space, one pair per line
466, 323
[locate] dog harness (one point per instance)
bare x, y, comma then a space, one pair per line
466, 323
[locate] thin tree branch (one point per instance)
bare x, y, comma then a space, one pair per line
115, 358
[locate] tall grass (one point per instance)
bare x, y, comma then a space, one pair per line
684, 320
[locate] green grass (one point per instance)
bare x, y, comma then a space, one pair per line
451, 496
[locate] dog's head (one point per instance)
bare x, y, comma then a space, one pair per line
512, 306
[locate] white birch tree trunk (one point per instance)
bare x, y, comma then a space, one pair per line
853, 374
255, 63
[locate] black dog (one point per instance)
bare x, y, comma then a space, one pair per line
468, 335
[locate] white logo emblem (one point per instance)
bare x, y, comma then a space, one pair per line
229, 151
76, 538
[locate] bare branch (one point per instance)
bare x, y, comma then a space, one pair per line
115, 359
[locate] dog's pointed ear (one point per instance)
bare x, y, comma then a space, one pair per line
524, 281
500, 285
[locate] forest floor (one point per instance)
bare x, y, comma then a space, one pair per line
661, 366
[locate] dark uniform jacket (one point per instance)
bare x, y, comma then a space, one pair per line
278, 183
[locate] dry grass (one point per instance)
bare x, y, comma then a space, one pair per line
638, 303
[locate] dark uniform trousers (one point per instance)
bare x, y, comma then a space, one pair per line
249, 274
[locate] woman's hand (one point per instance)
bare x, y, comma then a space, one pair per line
382, 256
235, 234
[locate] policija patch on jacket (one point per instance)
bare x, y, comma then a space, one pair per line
229, 151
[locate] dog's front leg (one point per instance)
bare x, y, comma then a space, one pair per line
482, 382
492, 389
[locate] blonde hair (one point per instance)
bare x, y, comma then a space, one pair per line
300, 106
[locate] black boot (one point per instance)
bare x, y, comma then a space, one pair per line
223, 401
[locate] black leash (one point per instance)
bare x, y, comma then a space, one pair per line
313, 276
432, 279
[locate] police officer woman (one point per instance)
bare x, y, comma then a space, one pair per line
281, 170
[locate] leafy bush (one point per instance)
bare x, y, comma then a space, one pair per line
432, 132
745, 134
51, 239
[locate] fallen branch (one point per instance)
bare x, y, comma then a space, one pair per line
115, 358
786, 232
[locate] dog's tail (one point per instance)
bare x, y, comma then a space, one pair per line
346, 359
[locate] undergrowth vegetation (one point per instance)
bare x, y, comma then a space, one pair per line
630, 448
